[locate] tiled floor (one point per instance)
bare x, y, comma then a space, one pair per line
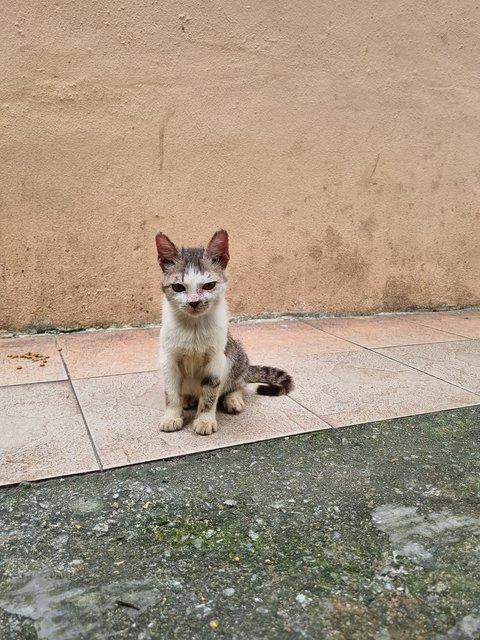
97, 399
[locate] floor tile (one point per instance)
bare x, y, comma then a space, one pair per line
264, 338
28, 369
337, 383
123, 413
42, 433
455, 362
462, 323
380, 331
363, 386
104, 353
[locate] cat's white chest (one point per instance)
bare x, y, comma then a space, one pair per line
195, 347
189, 340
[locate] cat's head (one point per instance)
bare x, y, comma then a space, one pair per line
194, 280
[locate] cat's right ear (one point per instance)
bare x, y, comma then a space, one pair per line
167, 251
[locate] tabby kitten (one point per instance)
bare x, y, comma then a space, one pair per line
201, 361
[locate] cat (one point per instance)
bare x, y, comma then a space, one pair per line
201, 362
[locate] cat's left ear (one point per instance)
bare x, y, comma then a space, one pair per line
217, 249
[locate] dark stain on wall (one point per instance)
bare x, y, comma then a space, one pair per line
398, 294
333, 239
350, 264
315, 251
368, 226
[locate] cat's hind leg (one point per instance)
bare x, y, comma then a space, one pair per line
234, 402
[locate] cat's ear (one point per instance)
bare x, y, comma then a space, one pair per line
217, 249
167, 251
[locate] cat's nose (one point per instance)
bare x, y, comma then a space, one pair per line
194, 304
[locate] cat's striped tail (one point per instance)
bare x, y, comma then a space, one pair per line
276, 382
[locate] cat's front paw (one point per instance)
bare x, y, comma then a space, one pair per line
169, 423
205, 425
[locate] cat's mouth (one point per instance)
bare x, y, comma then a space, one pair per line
195, 311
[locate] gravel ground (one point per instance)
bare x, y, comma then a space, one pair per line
363, 532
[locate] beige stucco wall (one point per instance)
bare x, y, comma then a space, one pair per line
338, 142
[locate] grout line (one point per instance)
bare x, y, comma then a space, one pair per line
60, 353
115, 375
80, 408
332, 426
27, 384
393, 346
422, 344
309, 410
338, 338
69, 379
436, 329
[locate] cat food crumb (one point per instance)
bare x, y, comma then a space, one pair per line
19, 367
33, 356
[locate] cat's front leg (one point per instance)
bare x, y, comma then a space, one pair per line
206, 423
173, 417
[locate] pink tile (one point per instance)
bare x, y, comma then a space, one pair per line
454, 362
380, 331
123, 414
20, 370
363, 386
261, 339
43, 433
104, 353
461, 323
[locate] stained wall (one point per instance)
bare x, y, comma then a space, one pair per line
337, 142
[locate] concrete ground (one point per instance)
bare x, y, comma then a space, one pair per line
364, 532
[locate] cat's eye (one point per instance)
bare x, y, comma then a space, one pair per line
208, 286
177, 287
